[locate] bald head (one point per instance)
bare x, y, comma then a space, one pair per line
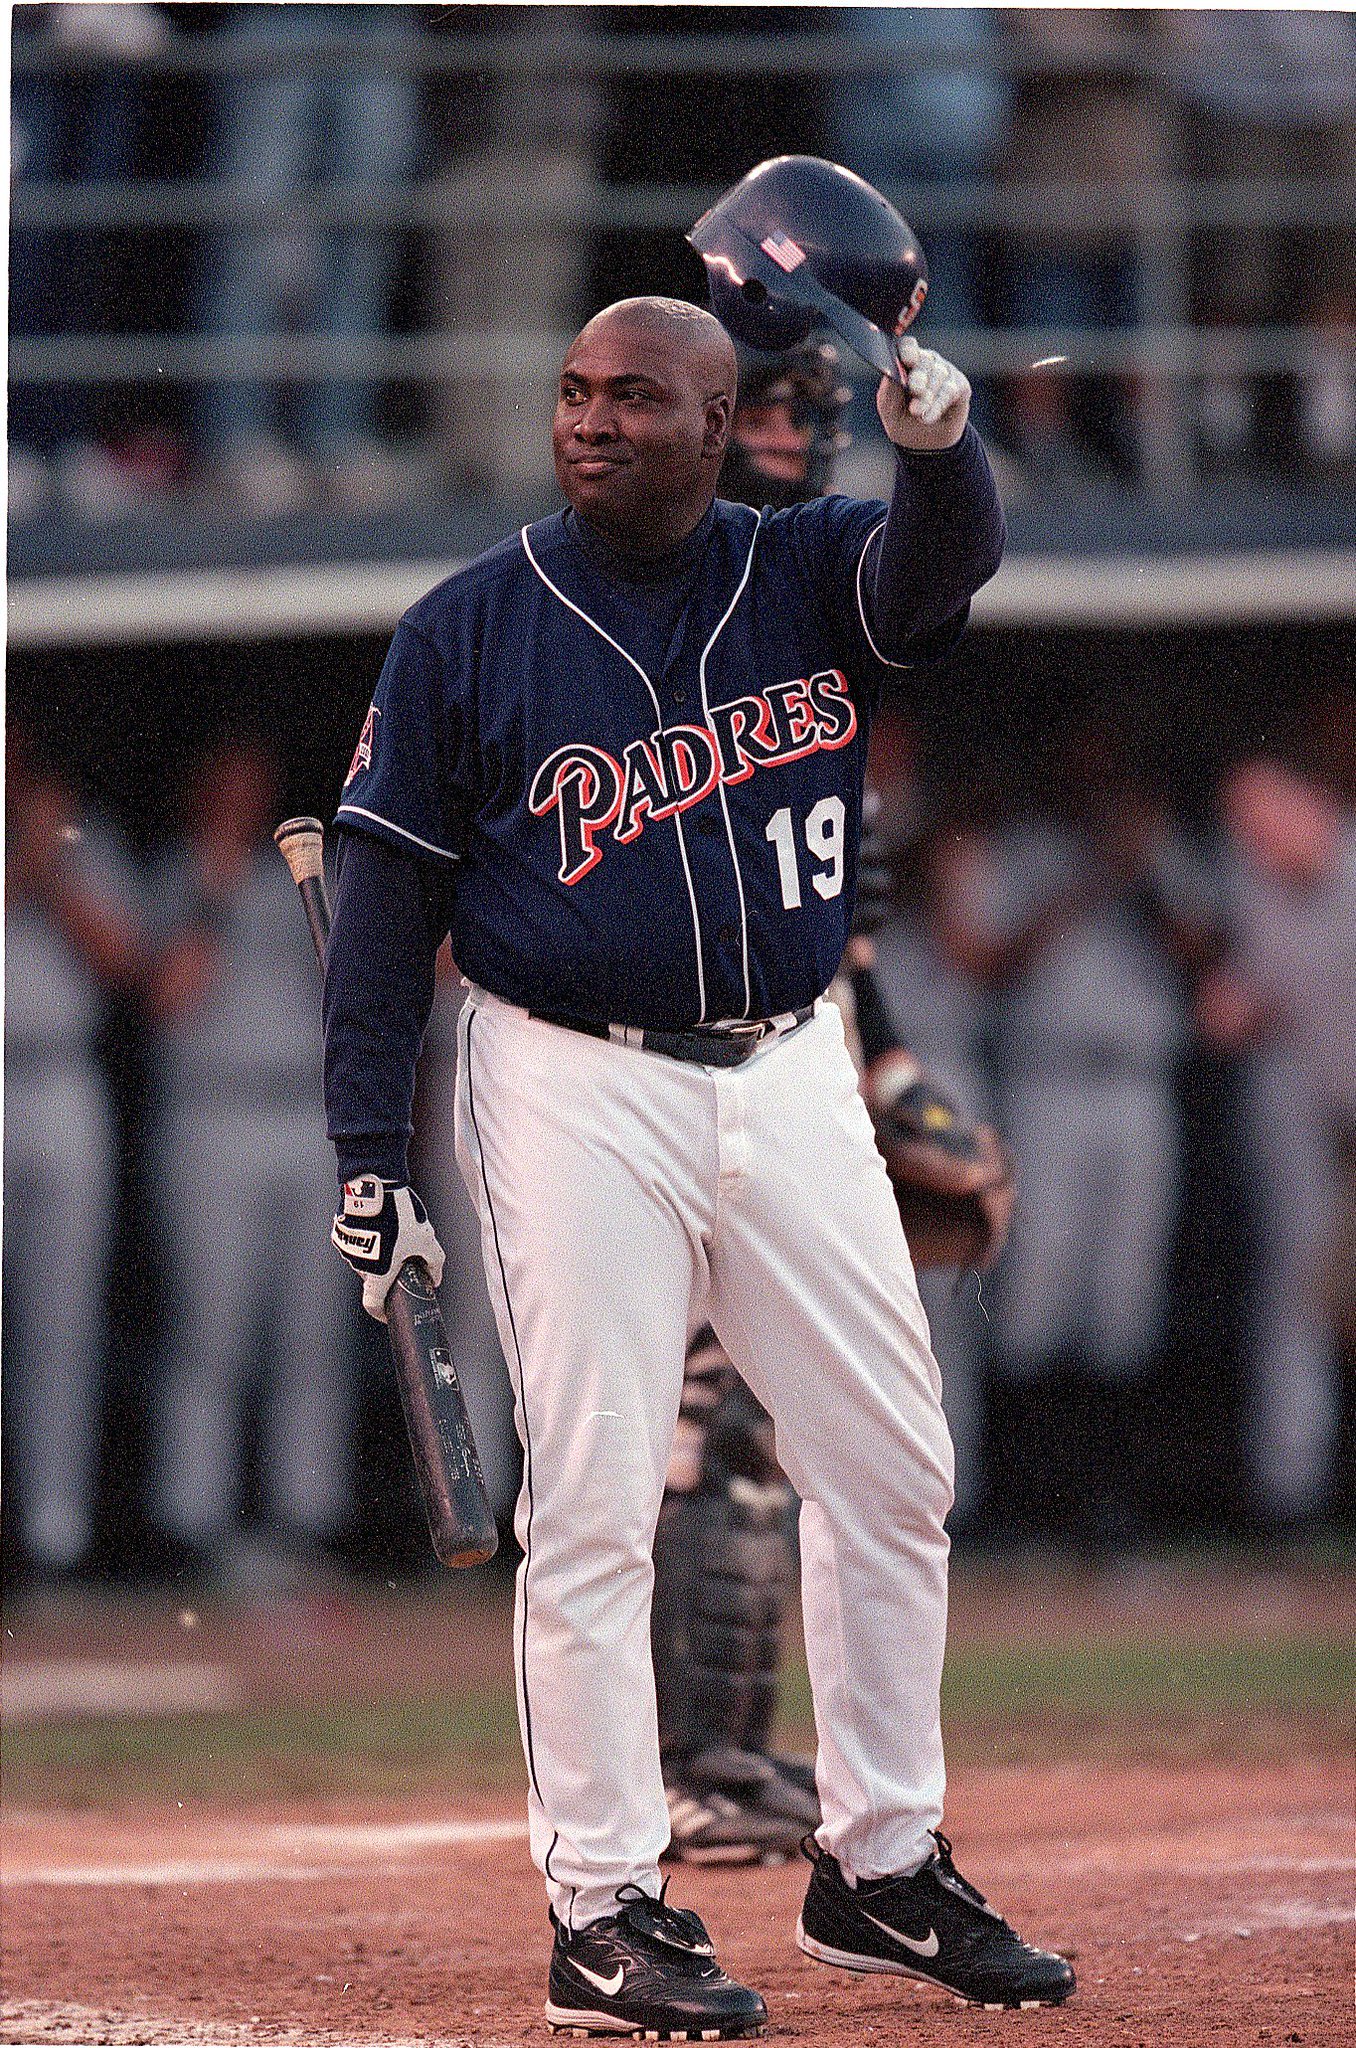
647, 393
695, 335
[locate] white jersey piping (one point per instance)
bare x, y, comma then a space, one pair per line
724, 801
861, 605
579, 612
357, 811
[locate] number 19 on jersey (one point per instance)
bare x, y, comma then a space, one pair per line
823, 835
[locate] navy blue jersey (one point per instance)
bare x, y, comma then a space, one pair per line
631, 790
706, 805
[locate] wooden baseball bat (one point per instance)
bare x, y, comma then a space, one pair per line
460, 1519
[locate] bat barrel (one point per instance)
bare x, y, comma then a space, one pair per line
450, 1480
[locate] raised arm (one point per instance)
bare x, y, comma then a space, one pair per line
43, 864
944, 535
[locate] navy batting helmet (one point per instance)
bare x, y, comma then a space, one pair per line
800, 243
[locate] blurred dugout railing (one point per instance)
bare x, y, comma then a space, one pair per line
1166, 355
1156, 220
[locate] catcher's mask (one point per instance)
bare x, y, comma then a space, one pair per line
808, 381
800, 243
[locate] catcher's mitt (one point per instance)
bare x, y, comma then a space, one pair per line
953, 1180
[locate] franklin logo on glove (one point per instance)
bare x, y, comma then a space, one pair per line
381, 1224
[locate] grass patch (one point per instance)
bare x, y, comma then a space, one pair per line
1133, 1697
1130, 1676
1118, 1698
467, 1741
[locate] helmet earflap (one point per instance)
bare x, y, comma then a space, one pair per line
749, 314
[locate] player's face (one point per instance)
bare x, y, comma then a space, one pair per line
640, 429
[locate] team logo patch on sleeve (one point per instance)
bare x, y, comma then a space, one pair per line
362, 753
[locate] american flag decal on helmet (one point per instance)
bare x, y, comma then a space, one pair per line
783, 251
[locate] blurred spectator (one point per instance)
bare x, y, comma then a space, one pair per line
476, 1354
72, 937
288, 124
1326, 427
943, 1014
77, 121
509, 143
1084, 123
259, 1340
1270, 97
935, 114
1068, 917
1284, 995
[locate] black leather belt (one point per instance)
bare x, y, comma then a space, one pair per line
725, 1045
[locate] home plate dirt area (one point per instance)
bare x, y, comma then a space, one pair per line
296, 1861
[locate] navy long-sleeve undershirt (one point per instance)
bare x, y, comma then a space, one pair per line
939, 545
390, 917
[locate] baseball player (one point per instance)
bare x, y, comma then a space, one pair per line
73, 942
232, 1087
1068, 918
1279, 995
619, 759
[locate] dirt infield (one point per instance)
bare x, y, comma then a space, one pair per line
1201, 1874
1201, 1907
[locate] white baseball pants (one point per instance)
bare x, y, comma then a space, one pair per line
624, 1198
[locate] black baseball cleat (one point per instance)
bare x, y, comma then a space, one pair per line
933, 1925
648, 1971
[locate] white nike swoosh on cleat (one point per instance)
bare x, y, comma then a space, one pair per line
928, 1946
609, 1986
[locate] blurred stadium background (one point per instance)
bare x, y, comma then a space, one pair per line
288, 291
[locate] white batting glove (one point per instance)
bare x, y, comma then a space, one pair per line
381, 1224
928, 408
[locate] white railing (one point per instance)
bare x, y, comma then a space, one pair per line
1156, 221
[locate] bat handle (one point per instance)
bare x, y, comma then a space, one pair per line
301, 842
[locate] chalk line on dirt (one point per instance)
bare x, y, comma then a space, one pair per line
275, 1855
305, 1852
53, 2025
362, 1838
61, 1687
